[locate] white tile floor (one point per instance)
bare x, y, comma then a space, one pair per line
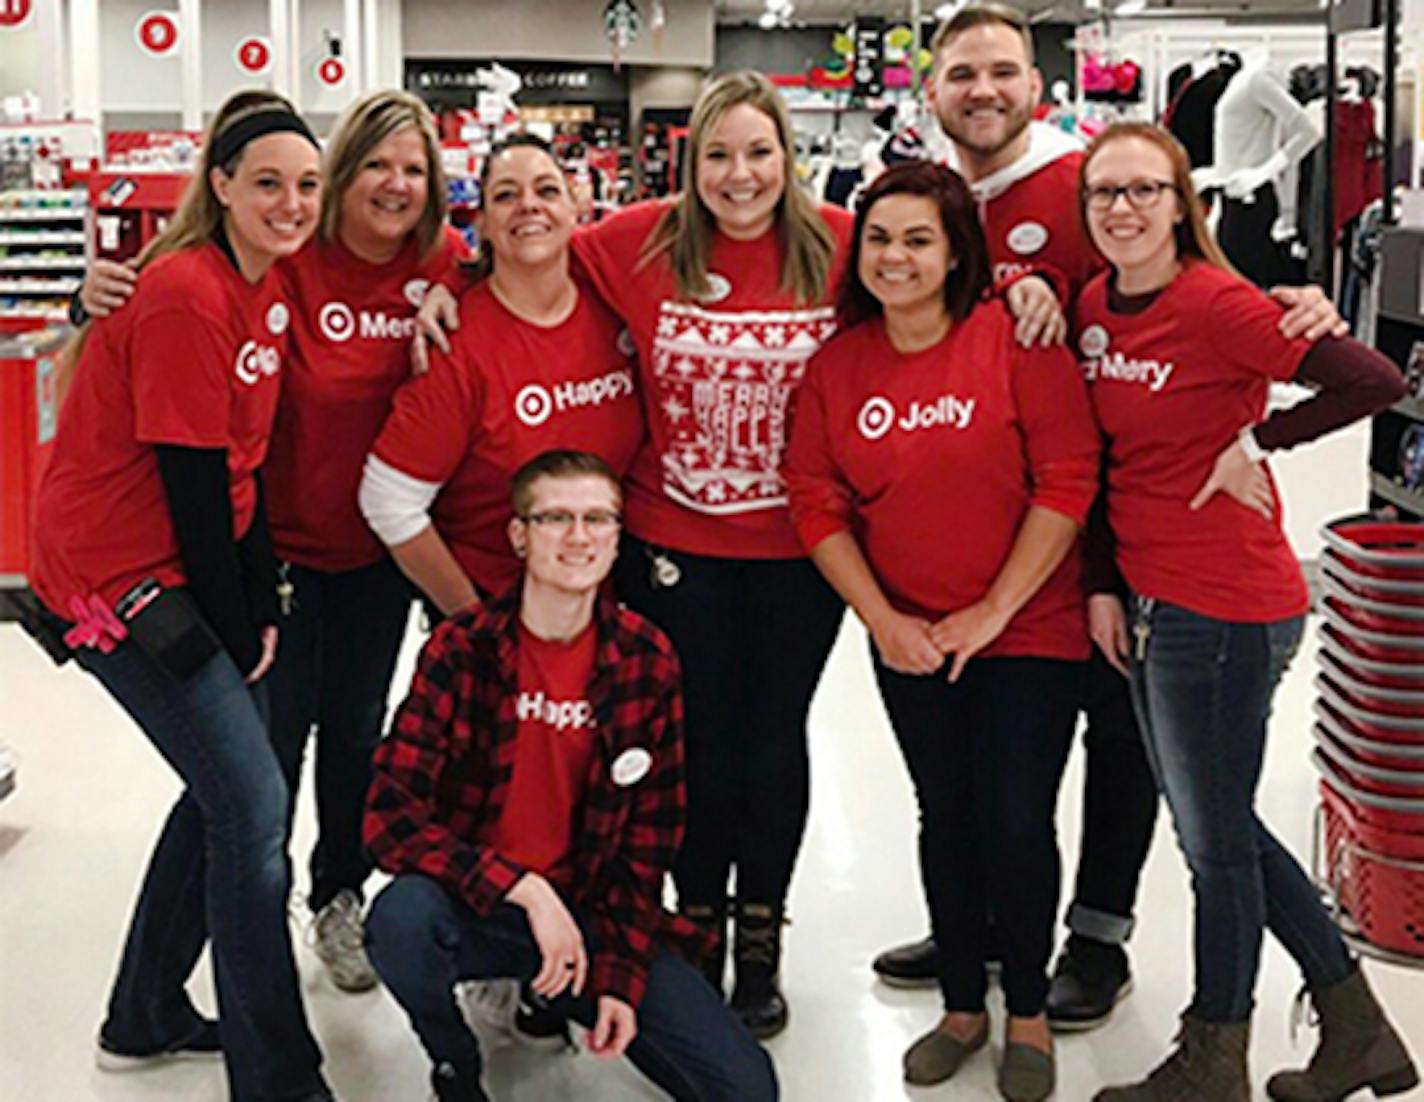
75, 835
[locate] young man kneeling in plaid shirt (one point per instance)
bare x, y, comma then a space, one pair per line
529, 802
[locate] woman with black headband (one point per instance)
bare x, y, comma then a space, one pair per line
153, 558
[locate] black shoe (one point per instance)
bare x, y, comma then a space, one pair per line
204, 1043
1090, 979
757, 999
912, 965
536, 1026
452, 1085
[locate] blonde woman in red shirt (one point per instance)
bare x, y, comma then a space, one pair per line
1180, 352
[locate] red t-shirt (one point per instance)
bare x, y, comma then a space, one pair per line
553, 751
351, 329
508, 391
1035, 226
1173, 386
932, 459
193, 360
719, 382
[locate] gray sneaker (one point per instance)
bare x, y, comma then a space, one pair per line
338, 938
7, 771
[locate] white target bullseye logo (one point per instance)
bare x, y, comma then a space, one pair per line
1094, 341
336, 321
532, 405
256, 360
876, 418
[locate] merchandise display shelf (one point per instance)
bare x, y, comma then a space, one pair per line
42, 237
43, 249
7, 216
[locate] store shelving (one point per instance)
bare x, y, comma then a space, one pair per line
43, 238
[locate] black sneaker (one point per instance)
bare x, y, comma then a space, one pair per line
452, 1085
203, 1044
913, 965
538, 1027
1089, 980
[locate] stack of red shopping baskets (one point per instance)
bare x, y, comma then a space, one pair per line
1369, 730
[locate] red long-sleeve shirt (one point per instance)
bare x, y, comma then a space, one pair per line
932, 460
718, 381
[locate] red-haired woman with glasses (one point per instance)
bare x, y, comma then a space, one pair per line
939, 474
1179, 352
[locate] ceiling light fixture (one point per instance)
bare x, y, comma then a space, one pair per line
1130, 7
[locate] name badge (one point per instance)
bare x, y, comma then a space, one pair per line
631, 766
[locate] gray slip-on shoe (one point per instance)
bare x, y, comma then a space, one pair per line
936, 1056
1027, 1074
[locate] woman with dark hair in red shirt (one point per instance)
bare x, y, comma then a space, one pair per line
1180, 352
939, 474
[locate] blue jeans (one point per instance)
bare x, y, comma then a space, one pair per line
1203, 696
335, 659
422, 942
231, 819
987, 755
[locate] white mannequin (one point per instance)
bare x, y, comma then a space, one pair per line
1260, 130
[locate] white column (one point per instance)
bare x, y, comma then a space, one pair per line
53, 50
84, 59
370, 37
190, 62
351, 51
280, 32
294, 53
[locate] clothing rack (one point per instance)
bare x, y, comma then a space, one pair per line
1335, 27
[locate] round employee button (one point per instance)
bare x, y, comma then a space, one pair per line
631, 766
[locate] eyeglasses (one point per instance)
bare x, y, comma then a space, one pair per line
597, 521
1141, 194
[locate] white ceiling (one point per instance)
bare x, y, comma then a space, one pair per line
843, 11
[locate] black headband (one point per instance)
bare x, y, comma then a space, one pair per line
234, 139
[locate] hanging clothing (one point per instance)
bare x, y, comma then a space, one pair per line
1358, 153
1244, 235
1191, 117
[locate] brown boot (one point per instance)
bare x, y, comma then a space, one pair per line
1358, 1048
1209, 1063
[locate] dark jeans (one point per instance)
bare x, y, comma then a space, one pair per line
335, 658
231, 819
1119, 809
753, 636
986, 756
422, 942
1203, 695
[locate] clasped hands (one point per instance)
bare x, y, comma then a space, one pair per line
914, 645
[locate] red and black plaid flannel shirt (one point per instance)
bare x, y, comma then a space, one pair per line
442, 777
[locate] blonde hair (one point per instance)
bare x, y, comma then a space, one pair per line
1192, 237
199, 215
364, 125
686, 231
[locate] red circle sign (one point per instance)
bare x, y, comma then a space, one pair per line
253, 55
157, 33
14, 12
331, 72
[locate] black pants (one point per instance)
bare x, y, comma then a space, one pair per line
1244, 234
986, 756
752, 635
336, 653
1119, 809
